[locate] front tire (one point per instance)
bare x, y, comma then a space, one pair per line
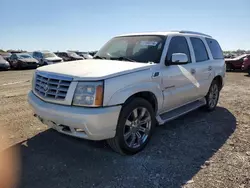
135, 127
212, 96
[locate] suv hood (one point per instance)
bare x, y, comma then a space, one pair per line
93, 69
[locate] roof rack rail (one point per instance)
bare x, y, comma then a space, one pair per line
193, 32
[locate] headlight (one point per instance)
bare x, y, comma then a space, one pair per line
88, 94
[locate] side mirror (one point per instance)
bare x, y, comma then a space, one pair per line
179, 58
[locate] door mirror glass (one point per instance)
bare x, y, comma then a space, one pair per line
179, 58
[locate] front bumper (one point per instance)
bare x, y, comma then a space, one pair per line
87, 123
28, 65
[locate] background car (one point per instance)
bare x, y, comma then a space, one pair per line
4, 65
5, 55
84, 55
23, 60
246, 64
69, 56
235, 63
46, 57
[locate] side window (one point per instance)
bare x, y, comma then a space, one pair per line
200, 50
35, 54
178, 44
40, 55
215, 48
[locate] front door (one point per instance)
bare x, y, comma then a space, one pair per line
179, 84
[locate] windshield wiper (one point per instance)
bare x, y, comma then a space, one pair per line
122, 58
99, 57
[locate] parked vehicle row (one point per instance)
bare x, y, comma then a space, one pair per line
241, 62
20, 60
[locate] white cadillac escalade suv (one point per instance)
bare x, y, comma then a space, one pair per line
133, 83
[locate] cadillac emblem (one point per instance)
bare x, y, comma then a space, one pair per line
45, 87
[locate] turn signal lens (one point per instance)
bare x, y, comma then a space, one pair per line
99, 95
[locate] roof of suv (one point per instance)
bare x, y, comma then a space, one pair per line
168, 33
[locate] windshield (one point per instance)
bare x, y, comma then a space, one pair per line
48, 54
23, 56
1, 58
133, 48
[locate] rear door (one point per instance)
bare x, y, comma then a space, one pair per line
203, 65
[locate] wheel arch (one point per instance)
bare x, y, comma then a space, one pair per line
149, 91
219, 80
148, 96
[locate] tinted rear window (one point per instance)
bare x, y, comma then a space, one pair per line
200, 51
215, 48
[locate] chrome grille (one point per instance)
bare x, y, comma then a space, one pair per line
52, 87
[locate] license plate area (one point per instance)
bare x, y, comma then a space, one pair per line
48, 122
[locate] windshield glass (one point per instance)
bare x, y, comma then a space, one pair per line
48, 54
133, 48
23, 56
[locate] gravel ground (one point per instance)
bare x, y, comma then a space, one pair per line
197, 150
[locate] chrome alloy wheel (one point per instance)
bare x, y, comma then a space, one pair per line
137, 127
213, 96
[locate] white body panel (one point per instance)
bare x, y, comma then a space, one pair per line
93, 69
173, 86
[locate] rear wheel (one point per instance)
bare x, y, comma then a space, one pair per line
212, 96
135, 126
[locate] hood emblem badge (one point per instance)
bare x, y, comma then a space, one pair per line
45, 87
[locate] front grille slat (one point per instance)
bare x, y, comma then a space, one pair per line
52, 87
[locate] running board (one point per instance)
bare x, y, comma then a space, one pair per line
173, 114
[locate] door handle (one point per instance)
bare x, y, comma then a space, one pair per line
193, 71
210, 68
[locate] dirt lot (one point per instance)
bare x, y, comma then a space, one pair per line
197, 150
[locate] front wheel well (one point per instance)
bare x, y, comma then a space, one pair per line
219, 81
147, 95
